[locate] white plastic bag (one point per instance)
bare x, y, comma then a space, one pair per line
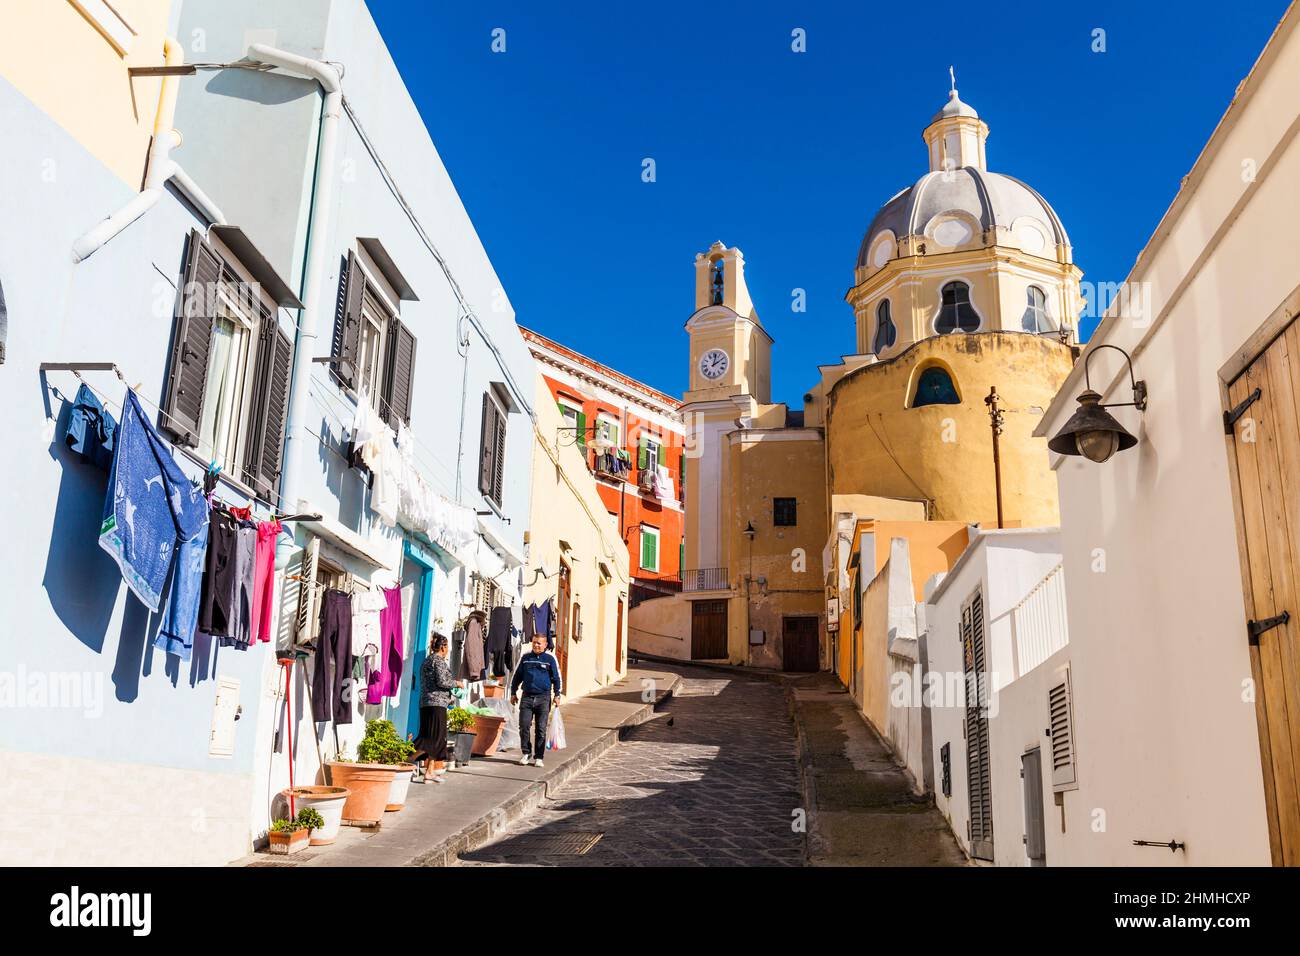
555, 731
510, 730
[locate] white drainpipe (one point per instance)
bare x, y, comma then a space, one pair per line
300, 444
159, 168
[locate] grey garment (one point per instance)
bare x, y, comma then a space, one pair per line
474, 661
241, 625
436, 682
457, 655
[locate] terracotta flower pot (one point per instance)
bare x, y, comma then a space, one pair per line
328, 802
288, 841
494, 690
487, 734
401, 784
369, 785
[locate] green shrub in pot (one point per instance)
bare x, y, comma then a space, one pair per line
383, 745
460, 721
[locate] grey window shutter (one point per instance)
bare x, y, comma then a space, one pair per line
265, 454
399, 374
487, 447
347, 322
1031, 770
191, 339
978, 757
499, 457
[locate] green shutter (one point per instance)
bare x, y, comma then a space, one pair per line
663, 455
582, 430
642, 457
649, 549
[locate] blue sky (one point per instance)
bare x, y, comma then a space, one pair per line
788, 155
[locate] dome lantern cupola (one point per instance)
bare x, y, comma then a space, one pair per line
956, 136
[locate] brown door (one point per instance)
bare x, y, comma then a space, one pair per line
1266, 450
618, 639
708, 630
562, 626
799, 644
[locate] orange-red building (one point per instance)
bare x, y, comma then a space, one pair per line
634, 442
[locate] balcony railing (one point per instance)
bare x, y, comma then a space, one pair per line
705, 579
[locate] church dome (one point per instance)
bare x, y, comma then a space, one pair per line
987, 199
958, 201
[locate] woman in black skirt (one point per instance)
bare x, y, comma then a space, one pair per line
435, 697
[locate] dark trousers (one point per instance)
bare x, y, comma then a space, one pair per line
534, 709
331, 680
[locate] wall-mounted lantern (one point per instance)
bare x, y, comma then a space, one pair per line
1092, 431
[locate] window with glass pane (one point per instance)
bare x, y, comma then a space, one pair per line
935, 388
956, 314
370, 348
607, 430
224, 393
1035, 318
886, 334
784, 512
570, 415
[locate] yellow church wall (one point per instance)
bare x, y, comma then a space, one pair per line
767, 464
878, 445
100, 105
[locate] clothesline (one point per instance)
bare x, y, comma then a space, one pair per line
279, 506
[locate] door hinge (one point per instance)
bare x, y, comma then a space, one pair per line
1230, 418
1255, 628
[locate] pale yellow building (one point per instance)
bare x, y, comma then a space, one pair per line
575, 557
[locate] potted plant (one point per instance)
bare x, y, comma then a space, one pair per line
494, 689
288, 836
327, 802
460, 727
383, 745
381, 761
488, 726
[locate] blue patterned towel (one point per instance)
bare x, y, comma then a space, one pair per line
149, 506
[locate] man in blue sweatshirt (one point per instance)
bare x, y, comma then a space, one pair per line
539, 673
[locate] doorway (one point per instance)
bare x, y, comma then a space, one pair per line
708, 630
800, 645
1265, 457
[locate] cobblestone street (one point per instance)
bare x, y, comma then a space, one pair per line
711, 781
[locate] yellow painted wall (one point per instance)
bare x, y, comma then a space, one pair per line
59, 60
566, 505
877, 445
766, 465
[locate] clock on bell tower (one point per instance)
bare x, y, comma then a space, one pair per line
730, 349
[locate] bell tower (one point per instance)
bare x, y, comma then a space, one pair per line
730, 352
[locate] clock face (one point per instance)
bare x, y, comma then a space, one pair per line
713, 364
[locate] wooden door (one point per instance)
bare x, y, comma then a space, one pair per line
799, 644
562, 624
1265, 449
708, 630
618, 639
979, 771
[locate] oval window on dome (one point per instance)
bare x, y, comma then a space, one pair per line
956, 314
935, 387
882, 249
886, 334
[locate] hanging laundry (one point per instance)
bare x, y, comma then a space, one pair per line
367, 606
245, 571
150, 506
176, 635
332, 686
91, 430
473, 661
264, 578
219, 599
498, 641
385, 681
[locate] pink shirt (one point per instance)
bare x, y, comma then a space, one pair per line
264, 579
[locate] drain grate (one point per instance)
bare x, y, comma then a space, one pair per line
572, 843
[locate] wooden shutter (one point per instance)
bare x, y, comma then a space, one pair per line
191, 339
399, 374
1031, 770
582, 432
499, 457
347, 322
265, 455
663, 454
307, 615
642, 453
978, 768
487, 446
1060, 725
649, 551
